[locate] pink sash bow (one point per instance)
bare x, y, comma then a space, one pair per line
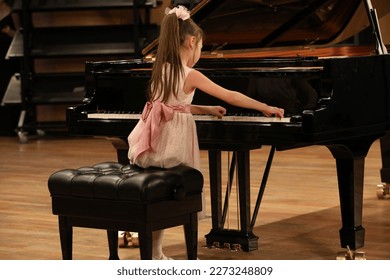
155, 114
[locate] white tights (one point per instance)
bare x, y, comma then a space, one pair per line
157, 252
157, 244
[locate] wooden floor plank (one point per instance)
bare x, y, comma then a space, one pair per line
298, 219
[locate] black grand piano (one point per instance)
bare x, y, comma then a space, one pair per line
281, 52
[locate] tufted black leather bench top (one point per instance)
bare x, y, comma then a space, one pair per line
114, 197
115, 181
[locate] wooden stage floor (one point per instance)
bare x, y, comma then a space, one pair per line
299, 218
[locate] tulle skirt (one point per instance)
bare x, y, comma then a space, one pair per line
177, 144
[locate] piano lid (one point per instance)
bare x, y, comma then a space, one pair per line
259, 24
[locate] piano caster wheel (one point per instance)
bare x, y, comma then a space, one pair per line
127, 239
351, 255
383, 191
23, 137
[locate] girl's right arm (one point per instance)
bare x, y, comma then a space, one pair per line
196, 79
218, 111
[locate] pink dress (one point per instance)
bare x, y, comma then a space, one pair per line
166, 134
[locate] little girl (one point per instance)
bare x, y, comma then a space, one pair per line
166, 134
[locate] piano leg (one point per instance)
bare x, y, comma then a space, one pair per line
122, 149
242, 238
243, 175
350, 159
383, 190
215, 169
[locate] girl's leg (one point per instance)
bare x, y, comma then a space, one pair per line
157, 253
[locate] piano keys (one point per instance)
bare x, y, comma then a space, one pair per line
341, 102
226, 118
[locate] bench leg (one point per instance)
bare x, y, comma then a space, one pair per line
66, 237
145, 238
112, 236
191, 236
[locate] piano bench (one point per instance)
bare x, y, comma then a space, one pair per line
118, 197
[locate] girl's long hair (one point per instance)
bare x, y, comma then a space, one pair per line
167, 67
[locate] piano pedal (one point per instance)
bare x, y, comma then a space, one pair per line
351, 255
383, 191
127, 239
235, 247
225, 246
215, 245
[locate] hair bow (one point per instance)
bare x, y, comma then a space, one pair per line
180, 11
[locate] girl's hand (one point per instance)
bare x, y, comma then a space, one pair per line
218, 111
273, 111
